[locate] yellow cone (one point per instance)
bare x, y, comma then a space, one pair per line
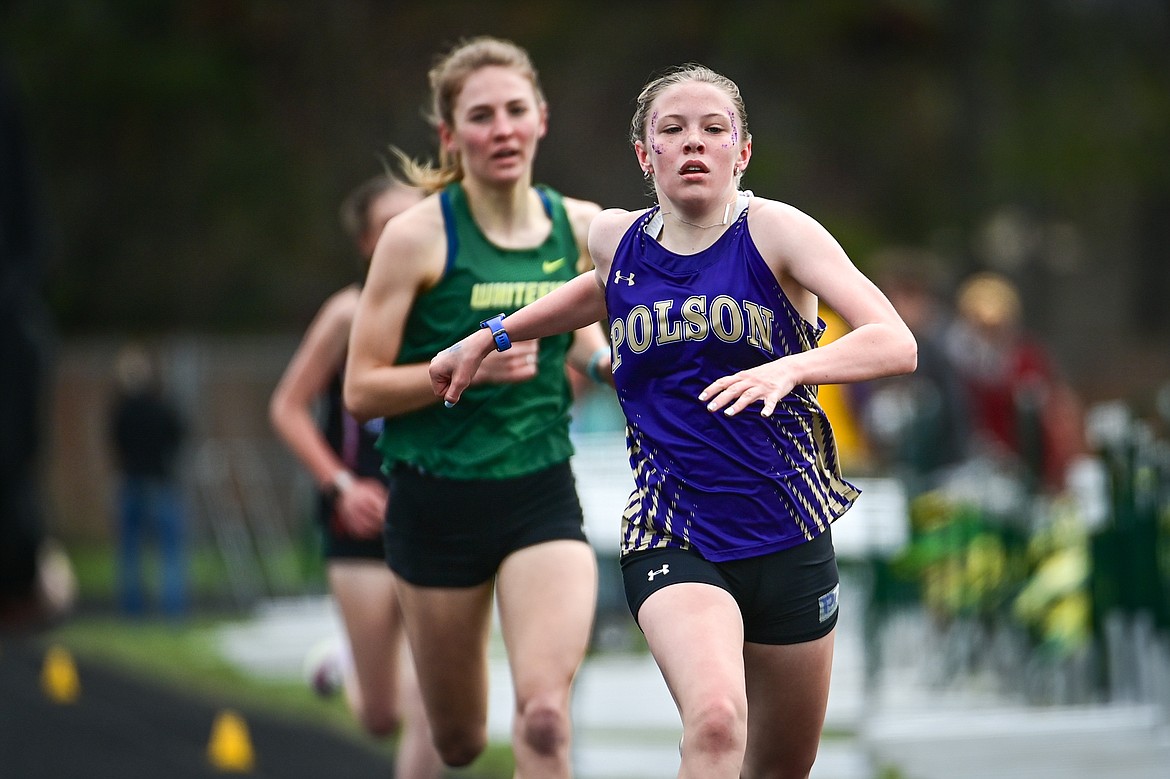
59, 676
230, 748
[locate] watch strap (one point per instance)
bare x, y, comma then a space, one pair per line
499, 334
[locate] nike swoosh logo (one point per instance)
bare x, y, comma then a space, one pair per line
548, 266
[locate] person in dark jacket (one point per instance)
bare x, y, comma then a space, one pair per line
147, 432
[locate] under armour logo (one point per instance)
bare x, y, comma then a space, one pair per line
665, 569
617, 278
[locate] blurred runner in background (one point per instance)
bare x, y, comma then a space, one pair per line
371, 663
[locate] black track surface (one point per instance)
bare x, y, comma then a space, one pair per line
124, 728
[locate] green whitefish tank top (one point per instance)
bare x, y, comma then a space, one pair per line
501, 430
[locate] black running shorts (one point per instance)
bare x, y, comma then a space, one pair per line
456, 532
338, 544
786, 597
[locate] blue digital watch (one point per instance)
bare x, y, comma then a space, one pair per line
499, 334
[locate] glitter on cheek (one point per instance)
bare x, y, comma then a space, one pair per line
654, 145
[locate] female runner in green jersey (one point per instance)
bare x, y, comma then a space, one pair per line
482, 499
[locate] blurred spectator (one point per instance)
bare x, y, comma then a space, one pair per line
917, 424
147, 433
1021, 407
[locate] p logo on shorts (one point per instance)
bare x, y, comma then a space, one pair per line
827, 603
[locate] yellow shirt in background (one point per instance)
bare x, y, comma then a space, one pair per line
851, 443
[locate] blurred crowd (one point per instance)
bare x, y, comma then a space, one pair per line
1035, 521
986, 389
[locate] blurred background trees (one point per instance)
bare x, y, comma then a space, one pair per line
192, 154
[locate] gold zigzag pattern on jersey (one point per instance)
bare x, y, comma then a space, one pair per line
653, 528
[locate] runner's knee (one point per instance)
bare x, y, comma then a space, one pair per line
460, 746
381, 723
716, 728
544, 727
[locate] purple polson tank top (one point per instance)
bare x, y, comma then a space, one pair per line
731, 487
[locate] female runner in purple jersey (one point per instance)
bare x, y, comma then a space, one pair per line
712, 302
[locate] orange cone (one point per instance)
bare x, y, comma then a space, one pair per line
230, 747
59, 676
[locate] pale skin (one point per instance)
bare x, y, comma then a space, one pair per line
546, 593
381, 691
695, 631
